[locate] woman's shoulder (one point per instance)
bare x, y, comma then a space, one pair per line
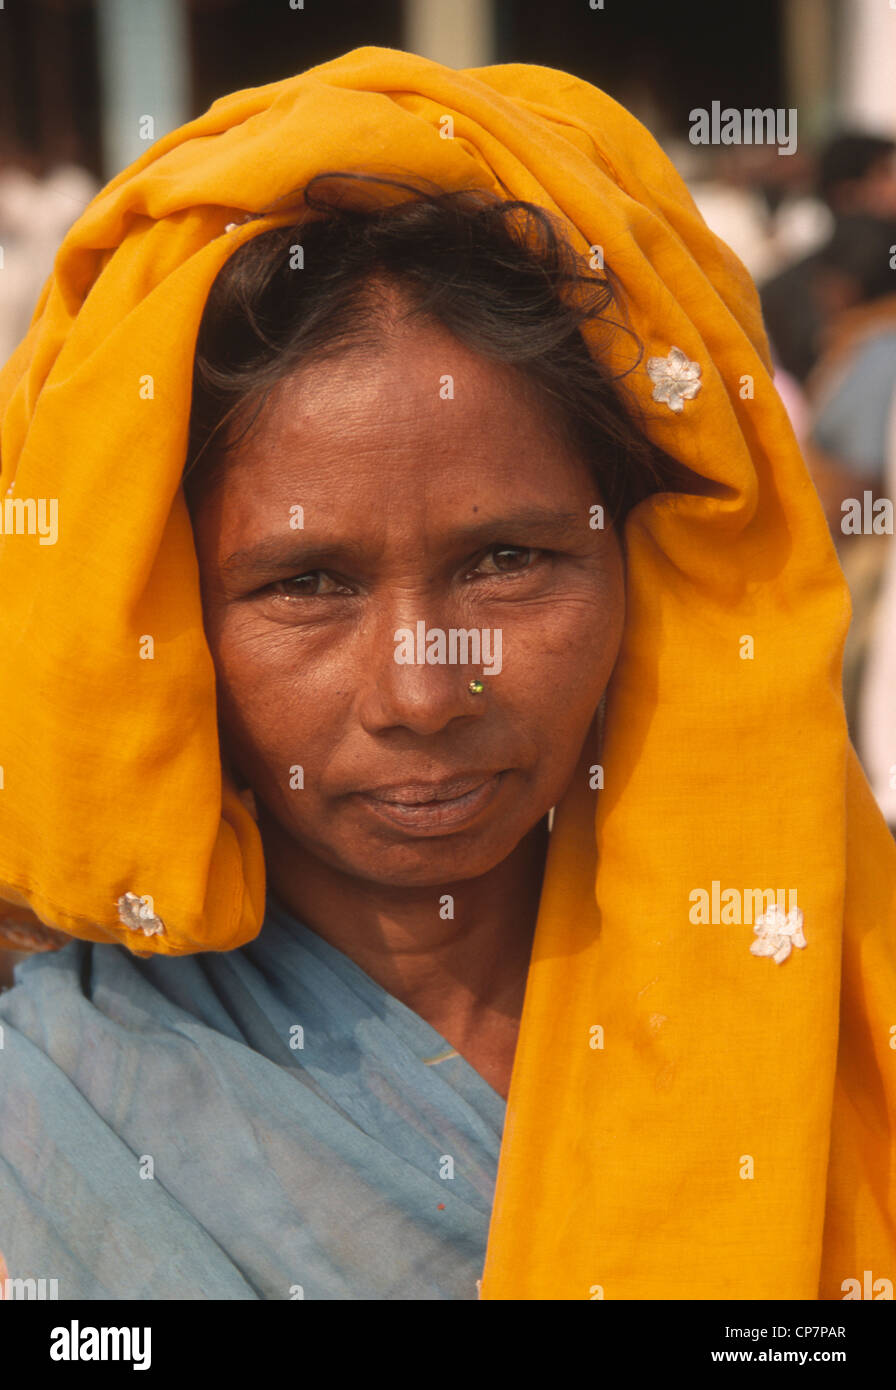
88, 1008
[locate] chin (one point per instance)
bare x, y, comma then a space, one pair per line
426, 864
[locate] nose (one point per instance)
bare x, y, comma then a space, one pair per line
402, 689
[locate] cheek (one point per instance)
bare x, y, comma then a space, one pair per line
562, 670
566, 648
276, 711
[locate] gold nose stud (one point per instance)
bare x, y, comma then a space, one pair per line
475, 687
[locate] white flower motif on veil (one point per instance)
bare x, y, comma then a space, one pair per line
137, 913
776, 933
675, 379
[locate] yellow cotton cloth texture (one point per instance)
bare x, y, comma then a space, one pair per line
686, 1119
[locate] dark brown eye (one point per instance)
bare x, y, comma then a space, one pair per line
507, 558
309, 585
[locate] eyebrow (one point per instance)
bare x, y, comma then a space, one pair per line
280, 551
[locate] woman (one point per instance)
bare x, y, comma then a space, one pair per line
286, 733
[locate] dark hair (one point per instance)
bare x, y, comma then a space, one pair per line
848, 156
497, 273
860, 247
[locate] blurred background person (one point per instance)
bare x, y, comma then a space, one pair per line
877, 693
35, 213
849, 395
856, 182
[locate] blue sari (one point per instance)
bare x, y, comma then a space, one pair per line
265, 1123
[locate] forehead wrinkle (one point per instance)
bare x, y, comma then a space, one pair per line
414, 358
335, 420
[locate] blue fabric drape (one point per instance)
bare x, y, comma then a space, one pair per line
260, 1123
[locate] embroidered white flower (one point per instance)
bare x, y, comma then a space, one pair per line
675, 379
776, 932
137, 913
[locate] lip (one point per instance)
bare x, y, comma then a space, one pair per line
431, 808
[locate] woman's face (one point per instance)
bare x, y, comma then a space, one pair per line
416, 485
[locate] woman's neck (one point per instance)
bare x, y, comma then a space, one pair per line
457, 955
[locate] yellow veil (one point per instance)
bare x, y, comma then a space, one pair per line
686, 1119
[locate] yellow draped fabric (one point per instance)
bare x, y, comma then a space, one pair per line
686, 1119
